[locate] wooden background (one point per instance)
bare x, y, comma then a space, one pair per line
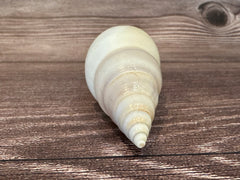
52, 128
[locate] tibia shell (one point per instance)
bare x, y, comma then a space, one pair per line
126, 79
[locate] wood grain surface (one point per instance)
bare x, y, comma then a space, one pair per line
52, 128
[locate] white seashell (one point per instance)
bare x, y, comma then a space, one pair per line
122, 71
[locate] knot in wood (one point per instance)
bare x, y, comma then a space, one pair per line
215, 14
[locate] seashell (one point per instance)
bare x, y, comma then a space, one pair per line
122, 71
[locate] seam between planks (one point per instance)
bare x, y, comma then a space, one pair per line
119, 157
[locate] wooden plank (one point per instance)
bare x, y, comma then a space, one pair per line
46, 111
111, 8
221, 166
48, 34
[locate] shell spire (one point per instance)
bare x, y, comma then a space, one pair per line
122, 71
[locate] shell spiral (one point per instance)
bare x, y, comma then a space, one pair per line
122, 71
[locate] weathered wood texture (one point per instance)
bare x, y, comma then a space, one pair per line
52, 128
58, 31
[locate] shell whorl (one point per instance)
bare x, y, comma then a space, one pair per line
127, 82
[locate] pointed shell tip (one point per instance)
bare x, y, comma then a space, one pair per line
141, 144
140, 140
